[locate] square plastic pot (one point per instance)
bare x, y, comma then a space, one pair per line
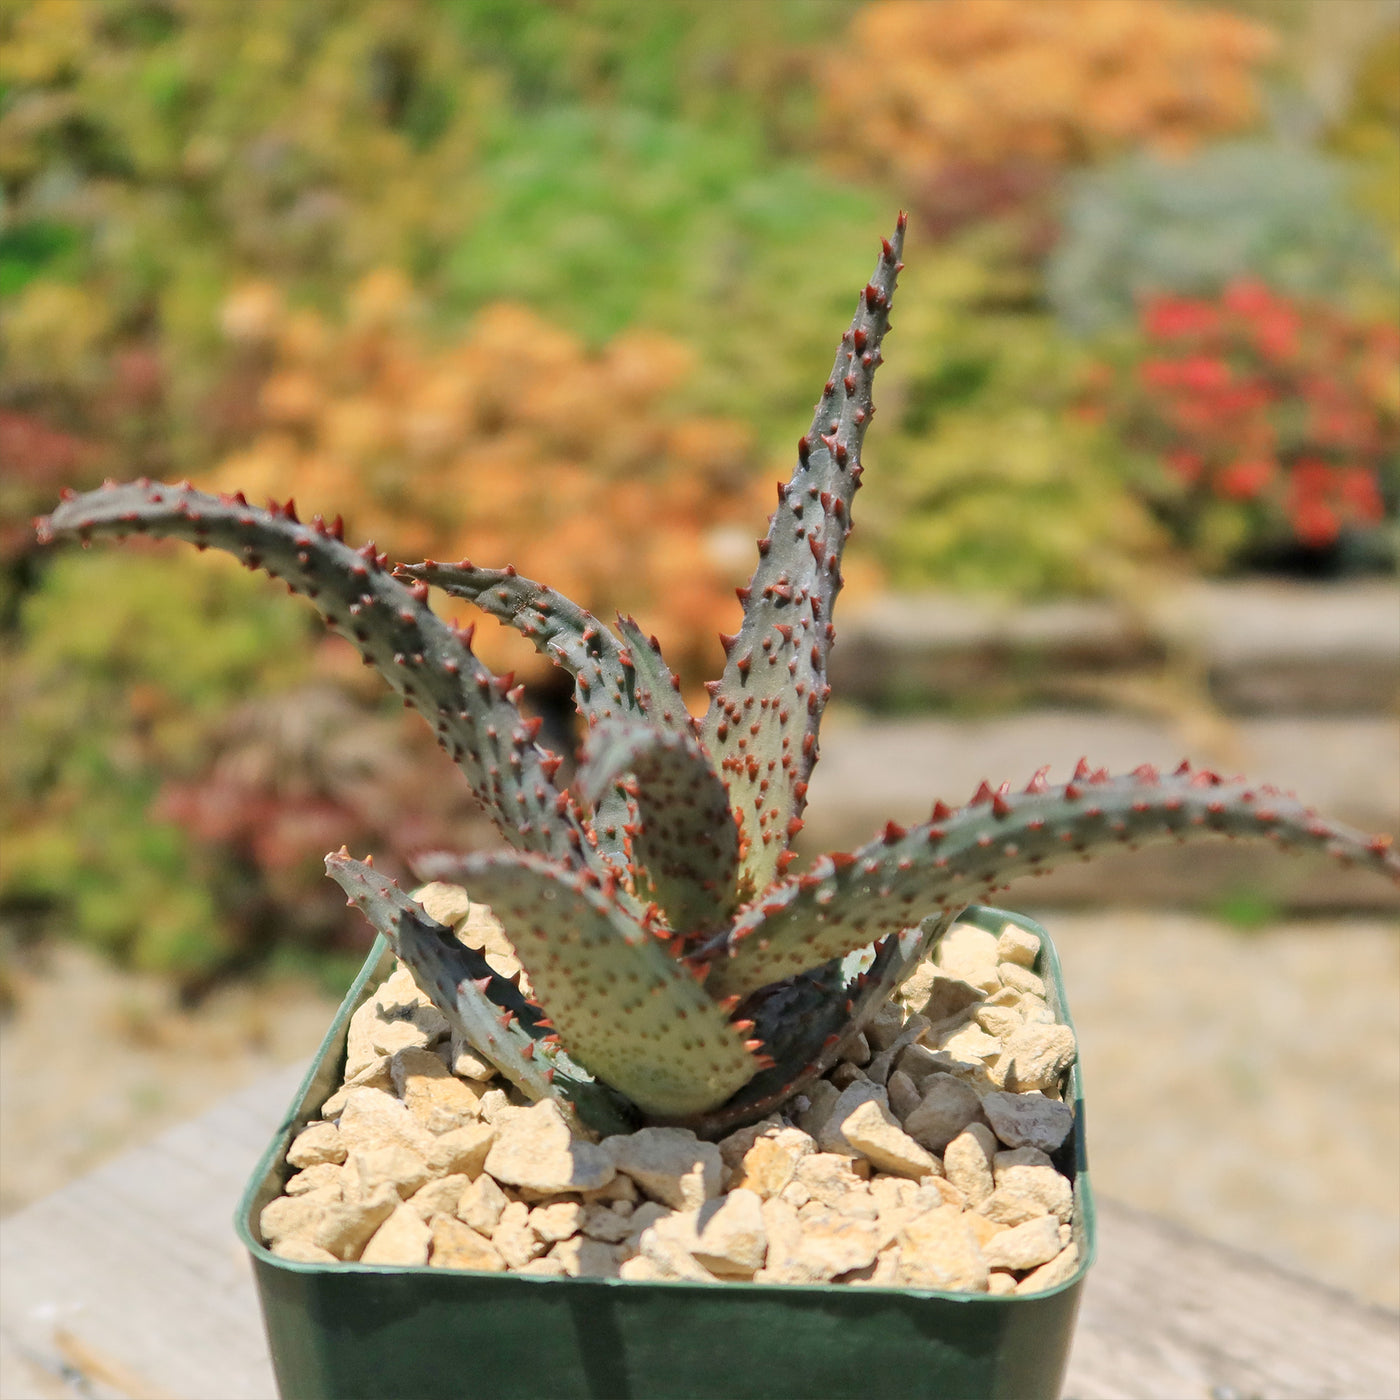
387, 1332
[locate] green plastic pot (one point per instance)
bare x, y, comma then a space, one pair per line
390, 1332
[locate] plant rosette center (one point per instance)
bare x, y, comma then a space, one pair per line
928, 1156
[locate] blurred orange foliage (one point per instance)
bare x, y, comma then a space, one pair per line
514, 444
921, 86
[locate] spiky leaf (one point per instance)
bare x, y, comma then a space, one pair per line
684, 844
960, 856
611, 679
486, 1010
607, 680
761, 725
623, 1006
417, 653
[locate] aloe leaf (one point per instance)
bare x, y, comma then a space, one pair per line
424, 659
485, 1009
761, 726
961, 856
657, 688
610, 679
684, 845
623, 1006
608, 683
806, 1022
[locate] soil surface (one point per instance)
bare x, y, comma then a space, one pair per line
1245, 1085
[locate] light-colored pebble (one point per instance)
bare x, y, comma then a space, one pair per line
439, 1196
375, 1118
372, 1075
1034, 1010
315, 1178
317, 1144
1017, 945
939, 1250
370, 1169
583, 1257
291, 1216
558, 1220
344, 1226
971, 1044
871, 1129
604, 1224
1027, 1185
671, 1165
832, 1138
1028, 1120
967, 1162
827, 1176
302, 1251
725, 1236
666, 1244
535, 1149
734, 1147
448, 904
402, 1239
946, 1107
1037, 1056
463, 1149
481, 1203
1024, 1246
834, 1244
969, 954
772, 1160
1020, 979
997, 1021
431, 1092
516, 1242
465, 1063
1059, 1270
457, 1246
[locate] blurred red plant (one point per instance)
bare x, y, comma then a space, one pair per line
1270, 424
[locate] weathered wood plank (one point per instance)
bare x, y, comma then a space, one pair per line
130, 1285
1168, 1315
131, 1277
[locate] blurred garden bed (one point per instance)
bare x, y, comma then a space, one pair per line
554, 285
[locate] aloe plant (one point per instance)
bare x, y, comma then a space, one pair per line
679, 972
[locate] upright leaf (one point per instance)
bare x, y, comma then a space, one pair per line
683, 849
761, 726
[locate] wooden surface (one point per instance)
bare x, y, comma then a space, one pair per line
130, 1283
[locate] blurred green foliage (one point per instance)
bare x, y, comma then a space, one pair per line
615, 165
1368, 135
990, 483
120, 666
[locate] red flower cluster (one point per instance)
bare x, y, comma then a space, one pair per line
1285, 410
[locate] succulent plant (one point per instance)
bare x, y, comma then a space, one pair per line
679, 972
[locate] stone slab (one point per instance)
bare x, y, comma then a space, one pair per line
1259, 646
